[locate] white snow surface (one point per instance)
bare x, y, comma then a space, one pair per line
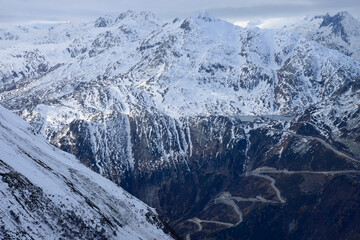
67, 185
342, 33
197, 66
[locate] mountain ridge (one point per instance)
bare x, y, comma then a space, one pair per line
339, 31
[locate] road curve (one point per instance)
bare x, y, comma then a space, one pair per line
272, 184
198, 222
325, 144
230, 202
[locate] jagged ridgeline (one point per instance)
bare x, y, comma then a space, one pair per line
339, 32
227, 131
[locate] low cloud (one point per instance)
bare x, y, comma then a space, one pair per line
285, 9
232, 10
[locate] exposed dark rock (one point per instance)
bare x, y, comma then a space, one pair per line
102, 22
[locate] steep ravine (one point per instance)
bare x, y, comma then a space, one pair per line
197, 153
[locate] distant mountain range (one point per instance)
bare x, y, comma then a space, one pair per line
227, 131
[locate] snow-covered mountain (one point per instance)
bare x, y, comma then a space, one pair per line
340, 32
110, 74
178, 112
47, 194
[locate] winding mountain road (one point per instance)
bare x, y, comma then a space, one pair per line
325, 144
228, 199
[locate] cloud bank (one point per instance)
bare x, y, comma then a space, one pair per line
16, 11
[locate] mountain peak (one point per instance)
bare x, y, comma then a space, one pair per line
329, 19
198, 18
334, 20
203, 16
127, 14
341, 24
338, 31
130, 14
343, 14
103, 21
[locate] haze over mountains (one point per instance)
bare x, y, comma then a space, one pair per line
224, 130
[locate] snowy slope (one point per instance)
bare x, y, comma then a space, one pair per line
47, 194
203, 66
197, 66
340, 32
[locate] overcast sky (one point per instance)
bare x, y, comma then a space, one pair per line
20, 11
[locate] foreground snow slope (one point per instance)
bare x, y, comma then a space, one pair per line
46, 193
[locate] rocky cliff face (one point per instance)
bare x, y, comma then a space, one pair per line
185, 112
46, 193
